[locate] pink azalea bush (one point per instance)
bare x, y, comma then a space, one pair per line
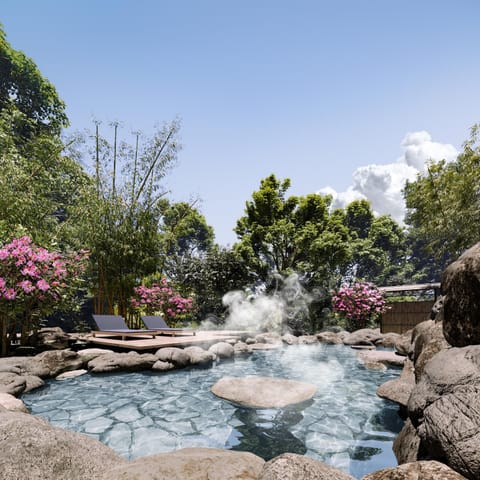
35, 281
161, 298
359, 304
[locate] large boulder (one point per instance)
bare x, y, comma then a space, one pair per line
199, 356
442, 407
290, 466
49, 338
263, 392
12, 403
269, 337
406, 445
427, 341
289, 339
52, 363
389, 340
242, 348
364, 336
88, 354
461, 302
399, 389
33, 382
190, 464
173, 355
12, 383
404, 343
35, 450
382, 356
426, 470
330, 338
114, 362
307, 339
222, 350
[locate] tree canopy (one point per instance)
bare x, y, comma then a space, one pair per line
280, 234
444, 207
25, 90
378, 246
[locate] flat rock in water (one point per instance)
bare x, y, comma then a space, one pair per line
381, 356
263, 392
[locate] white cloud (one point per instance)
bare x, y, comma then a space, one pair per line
419, 149
382, 184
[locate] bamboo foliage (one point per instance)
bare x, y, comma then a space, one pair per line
125, 212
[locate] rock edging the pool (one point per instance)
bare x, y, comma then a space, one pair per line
54, 446
32, 449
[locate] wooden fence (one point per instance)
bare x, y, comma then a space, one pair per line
403, 316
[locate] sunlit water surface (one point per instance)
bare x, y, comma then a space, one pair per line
137, 414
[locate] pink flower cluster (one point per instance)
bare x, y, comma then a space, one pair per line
30, 272
161, 298
359, 303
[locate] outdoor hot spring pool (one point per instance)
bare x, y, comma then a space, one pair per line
138, 414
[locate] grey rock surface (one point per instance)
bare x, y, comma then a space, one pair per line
290, 466
12, 383
330, 338
112, 362
363, 337
12, 403
52, 363
427, 341
424, 470
160, 366
191, 464
176, 356
399, 389
35, 450
199, 356
444, 409
406, 446
289, 339
222, 350
88, 354
382, 356
461, 301
49, 338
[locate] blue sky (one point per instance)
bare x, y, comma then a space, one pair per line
322, 92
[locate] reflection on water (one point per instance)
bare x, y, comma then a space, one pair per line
267, 432
137, 414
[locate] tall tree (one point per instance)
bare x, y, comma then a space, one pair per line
444, 205
210, 276
25, 90
378, 245
122, 230
282, 235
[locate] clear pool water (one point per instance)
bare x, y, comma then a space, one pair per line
137, 414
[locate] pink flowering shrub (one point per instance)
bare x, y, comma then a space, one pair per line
33, 282
161, 298
359, 304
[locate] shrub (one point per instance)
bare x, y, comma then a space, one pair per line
34, 282
359, 304
161, 298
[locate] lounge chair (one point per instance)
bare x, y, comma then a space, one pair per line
115, 326
156, 322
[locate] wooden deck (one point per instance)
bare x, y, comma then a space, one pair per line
160, 341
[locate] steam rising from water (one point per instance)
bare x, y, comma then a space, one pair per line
280, 311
